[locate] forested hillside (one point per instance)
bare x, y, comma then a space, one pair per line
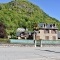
22, 13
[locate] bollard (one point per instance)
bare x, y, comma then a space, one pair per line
35, 43
40, 43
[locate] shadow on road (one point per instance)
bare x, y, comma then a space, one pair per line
51, 51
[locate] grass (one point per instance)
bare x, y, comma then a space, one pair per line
4, 40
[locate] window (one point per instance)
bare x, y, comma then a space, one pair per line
54, 37
44, 25
53, 31
47, 37
37, 37
39, 32
51, 25
46, 31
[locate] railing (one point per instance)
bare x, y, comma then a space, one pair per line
50, 42
47, 42
39, 43
17, 41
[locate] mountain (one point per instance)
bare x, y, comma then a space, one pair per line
23, 13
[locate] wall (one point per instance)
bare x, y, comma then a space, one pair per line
42, 35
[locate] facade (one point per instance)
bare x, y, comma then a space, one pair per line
58, 35
47, 32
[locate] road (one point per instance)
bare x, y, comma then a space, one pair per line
29, 53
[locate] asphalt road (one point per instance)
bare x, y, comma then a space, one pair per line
29, 53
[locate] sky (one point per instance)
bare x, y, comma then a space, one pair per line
51, 7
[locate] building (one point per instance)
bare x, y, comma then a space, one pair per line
58, 35
46, 32
22, 33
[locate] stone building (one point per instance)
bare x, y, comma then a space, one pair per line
46, 32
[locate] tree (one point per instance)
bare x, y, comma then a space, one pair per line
2, 31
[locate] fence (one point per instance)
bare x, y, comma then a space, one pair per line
16, 41
36, 43
47, 42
